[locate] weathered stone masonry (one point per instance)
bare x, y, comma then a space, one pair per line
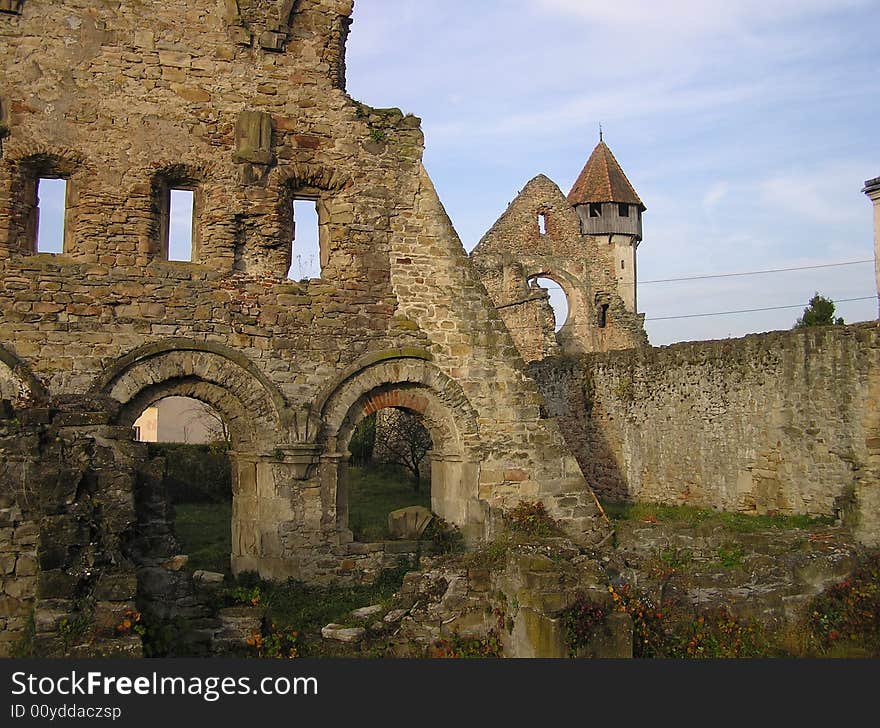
786, 422
244, 103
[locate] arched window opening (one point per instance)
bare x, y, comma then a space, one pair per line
558, 300
542, 223
389, 469
194, 501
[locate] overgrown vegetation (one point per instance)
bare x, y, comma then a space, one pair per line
460, 647
846, 617
295, 612
530, 519
580, 622
689, 516
667, 632
843, 621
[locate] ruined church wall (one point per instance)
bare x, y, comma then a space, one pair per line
786, 422
516, 250
123, 99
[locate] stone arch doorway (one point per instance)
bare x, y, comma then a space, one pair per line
248, 406
558, 298
415, 385
576, 333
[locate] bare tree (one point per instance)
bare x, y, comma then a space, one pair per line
215, 427
402, 439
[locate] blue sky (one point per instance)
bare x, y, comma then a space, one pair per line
745, 126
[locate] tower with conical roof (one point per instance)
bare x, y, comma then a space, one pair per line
608, 206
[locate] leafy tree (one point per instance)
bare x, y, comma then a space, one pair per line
363, 440
820, 312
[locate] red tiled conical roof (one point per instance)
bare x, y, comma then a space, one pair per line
602, 180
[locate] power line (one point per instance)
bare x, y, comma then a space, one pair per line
731, 275
753, 310
716, 313
756, 272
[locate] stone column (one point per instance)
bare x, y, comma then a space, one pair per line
872, 190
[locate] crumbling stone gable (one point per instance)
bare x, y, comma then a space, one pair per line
515, 252
244, 104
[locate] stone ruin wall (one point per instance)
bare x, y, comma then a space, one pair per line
515, 251
785, 422
244, 102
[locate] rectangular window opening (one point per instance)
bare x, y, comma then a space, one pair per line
180, 225
622, 264
623, 210
595, 209
602, 315
305, 256
51, 205
542, 223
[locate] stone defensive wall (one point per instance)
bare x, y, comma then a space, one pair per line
786, 422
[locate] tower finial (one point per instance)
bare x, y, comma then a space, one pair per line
600, 131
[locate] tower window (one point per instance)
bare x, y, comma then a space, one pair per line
623, 210
602, 317
542, 223
622, 264
595, 209
305, 257
51, 203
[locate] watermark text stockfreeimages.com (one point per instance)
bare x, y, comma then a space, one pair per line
210, 688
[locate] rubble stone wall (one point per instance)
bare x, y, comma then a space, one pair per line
786, 422
244, 103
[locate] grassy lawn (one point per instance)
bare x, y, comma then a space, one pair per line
205, 533
375, 491
688, 516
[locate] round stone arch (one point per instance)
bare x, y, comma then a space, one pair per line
254, 408
578, 324
415, 384
17, 383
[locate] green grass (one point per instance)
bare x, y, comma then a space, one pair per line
688, 516
205, 533
375, 491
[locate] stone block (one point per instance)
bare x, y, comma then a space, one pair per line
367, 612
116, 587
26, 565
409, 523
7, 563
56, 584
340, 633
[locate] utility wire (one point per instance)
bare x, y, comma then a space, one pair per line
756, 272
753, 310
732, 275
717, 313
